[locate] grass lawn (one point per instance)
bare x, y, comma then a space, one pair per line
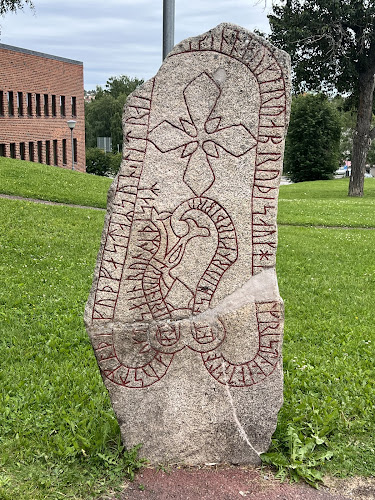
326, 203
327, 281
55, 414
33, 180
59, 437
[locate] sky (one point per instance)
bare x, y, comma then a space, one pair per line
120, 37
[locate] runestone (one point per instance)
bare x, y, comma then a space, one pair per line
185, 315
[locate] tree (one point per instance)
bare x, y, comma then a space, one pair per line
13, 5
117, 85
332, 44
312, 143
104, 113
98, 115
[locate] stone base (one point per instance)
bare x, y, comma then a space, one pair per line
190, 419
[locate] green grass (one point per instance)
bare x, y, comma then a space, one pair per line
33, 180
326, 203
327, 280
59, 437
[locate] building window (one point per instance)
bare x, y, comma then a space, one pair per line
64, 151
20, 103
2, 150
40, 152
75, 150
62, 105
74, 106
46, 107
48, 153
22, 151
38, 109
10, 103
29, 104
53, 105
31, 151
55, 153
12, 149
1, 103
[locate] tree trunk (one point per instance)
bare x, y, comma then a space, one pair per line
361, 139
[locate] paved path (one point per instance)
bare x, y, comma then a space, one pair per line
46, 202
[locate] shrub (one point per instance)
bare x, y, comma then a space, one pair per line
115, 162
100, 163
313, 140
97, 161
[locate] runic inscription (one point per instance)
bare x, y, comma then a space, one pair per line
185, 307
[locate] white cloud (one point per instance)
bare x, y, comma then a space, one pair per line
119, 36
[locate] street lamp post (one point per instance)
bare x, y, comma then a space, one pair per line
71, 125
168, 26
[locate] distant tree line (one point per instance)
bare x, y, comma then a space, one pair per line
104, 113
103, 118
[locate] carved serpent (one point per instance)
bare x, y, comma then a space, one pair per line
148, 348
173, 336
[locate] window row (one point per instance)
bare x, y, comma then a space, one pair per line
26, 103
47, 152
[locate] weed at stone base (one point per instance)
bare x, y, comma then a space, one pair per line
123, 461
297, 456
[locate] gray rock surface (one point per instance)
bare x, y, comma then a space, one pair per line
184, 315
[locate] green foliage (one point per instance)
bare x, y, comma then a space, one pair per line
100, 163
98, 118
97, 161
34, 180
13, 5
115, 163
312, 143
121, 85
104, 113
330, 42
116, 130
297, 456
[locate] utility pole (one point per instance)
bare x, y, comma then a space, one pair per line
168, 26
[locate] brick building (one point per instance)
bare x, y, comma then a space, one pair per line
39, 93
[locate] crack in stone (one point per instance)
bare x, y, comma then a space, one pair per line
240, 429
261, 287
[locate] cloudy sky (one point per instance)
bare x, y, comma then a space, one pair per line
115, 37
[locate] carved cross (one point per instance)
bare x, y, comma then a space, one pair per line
201, 138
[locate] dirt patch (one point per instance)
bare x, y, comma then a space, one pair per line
358, 488
224, 483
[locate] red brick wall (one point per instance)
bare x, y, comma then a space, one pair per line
40, 74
